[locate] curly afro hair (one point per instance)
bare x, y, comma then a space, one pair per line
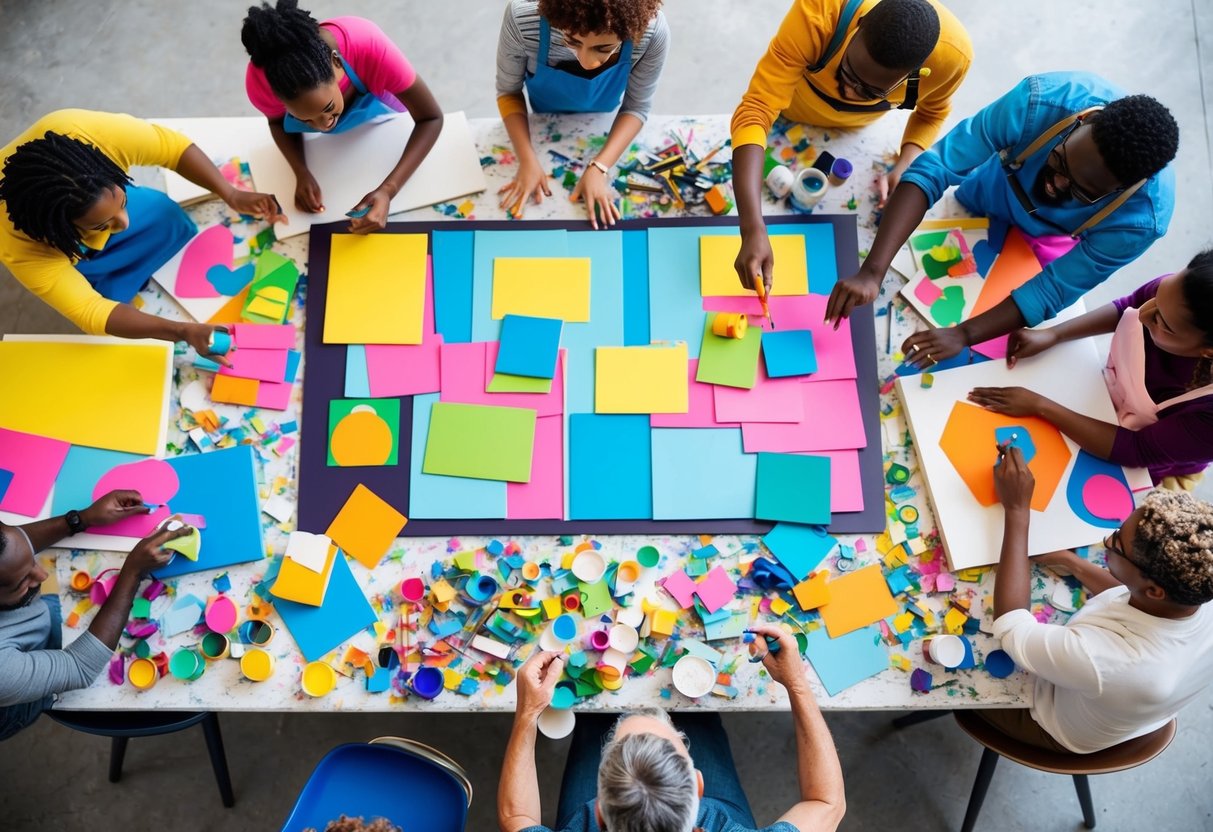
900, 34
1136, 137
1174, 545
626, 19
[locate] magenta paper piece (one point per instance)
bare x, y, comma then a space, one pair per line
701, 412
769, 400
157, 484
994, 348
715, 589
835, 353
463, 381
681, 587
846, 489
263, 336
274, 395
543, 497
832, 422
408, 369
34, 462
212, 247
262, 365
1107, 498
927, 292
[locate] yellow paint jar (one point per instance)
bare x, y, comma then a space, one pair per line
318, 679
258, 665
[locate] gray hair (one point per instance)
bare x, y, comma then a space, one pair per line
644, 783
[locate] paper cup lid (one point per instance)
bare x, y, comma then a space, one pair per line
318, 678
555, 723
623, 638
257, 665
693, 677
589, 566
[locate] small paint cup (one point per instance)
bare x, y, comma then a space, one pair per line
186, 665
215, 646
808, 188
257, 665
142, 674
629, 572
81, 581
907, 514
318, 678
693, 677
946, 650
841, 171
479, 589
572, 602
556, 723
614, 658
597, 640
779, 181
412, 590
427, 682
260, 633
623, 638
530, 571
648, 556
589, 566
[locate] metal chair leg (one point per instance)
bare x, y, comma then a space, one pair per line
915, 717
1083, 786
985, 773
214, 746
117, 755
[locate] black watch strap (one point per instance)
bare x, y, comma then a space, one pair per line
75, 525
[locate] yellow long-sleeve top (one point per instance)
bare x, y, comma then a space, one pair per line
781, 81
48, 272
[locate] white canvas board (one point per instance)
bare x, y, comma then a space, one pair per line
200, 309
347, 165
1070, 374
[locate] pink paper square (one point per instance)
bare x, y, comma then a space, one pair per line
462, 371
404, 369
274, 395
846, 488
769, 400
263, 336
715, 589
681, 587
701, 412
543, 497
832, 421
262, 365
834, 349
34, 461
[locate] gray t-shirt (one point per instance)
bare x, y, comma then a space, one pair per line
29, 671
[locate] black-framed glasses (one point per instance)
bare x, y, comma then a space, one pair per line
1059, 161
1112, 544
846, 75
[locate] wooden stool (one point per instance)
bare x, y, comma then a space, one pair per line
1126, 755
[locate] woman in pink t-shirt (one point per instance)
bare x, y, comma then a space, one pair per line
309, 77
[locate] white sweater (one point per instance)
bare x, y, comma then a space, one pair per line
1112, 672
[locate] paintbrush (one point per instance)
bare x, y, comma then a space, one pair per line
761, 289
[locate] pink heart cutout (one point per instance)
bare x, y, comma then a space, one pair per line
212, 247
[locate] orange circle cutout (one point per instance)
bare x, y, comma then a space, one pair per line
361, 438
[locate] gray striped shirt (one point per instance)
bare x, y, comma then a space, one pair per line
518, 51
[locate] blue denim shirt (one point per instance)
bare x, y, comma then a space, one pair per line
968, 156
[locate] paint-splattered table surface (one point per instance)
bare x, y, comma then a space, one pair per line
222, 687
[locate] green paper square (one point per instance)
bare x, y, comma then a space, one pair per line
275, 277
483, 442
595, 599
732, 362
141, 608
388, 410
506, 383
794, 488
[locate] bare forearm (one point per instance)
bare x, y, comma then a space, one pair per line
291, 147
128, 322
817, 767
43, 533
1012, 588
623, 130
904, 212
518, 792
747, 184
1092, 435
1096, 322
518, 127
198, 168
1094, 578
427, 118
111, 618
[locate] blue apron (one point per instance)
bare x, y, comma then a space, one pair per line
364, 109
552, 90
158, 229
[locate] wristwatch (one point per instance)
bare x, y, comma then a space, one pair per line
75, 525
594, 163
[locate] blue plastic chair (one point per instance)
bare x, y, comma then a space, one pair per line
410, 788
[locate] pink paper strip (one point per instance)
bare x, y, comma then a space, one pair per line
701, 412
263, 336
463, 381
769, 400
846, 488
832, 422
34, 461
543, 497
262, 365
274, 395
835, 353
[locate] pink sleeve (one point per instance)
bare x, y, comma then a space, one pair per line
259, 93
377, 60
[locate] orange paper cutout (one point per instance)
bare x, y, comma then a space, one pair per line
299, 584
366, 526
1014, 266
361, 438
235, 390
229, 313
968, 441
857, 599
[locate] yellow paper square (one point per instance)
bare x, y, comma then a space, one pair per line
717, 277
376, 292
641, 379
542, 287
298, 583
366, 526
88, 391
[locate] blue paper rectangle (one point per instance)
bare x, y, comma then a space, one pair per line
789, 353
344, 613
451, 260
606, 324
82, 467
701, 474
819, 253
292, 366
529, 346
357, 377
490, 245
222, 487
847, 660
635, 288
610, 470
449, 498
799, 548
675, 304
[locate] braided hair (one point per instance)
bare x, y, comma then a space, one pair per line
49, 183
1174, 545
1198, 294
285, 43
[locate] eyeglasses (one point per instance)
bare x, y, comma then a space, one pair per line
1059, 161
846, 75
1112, 543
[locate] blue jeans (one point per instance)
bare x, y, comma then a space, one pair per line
13, 718
709, 747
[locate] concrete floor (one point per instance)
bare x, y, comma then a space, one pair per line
172, 58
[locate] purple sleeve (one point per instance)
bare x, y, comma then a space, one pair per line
1179, 438
1139, 296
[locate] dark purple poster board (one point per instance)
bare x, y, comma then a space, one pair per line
323, 489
